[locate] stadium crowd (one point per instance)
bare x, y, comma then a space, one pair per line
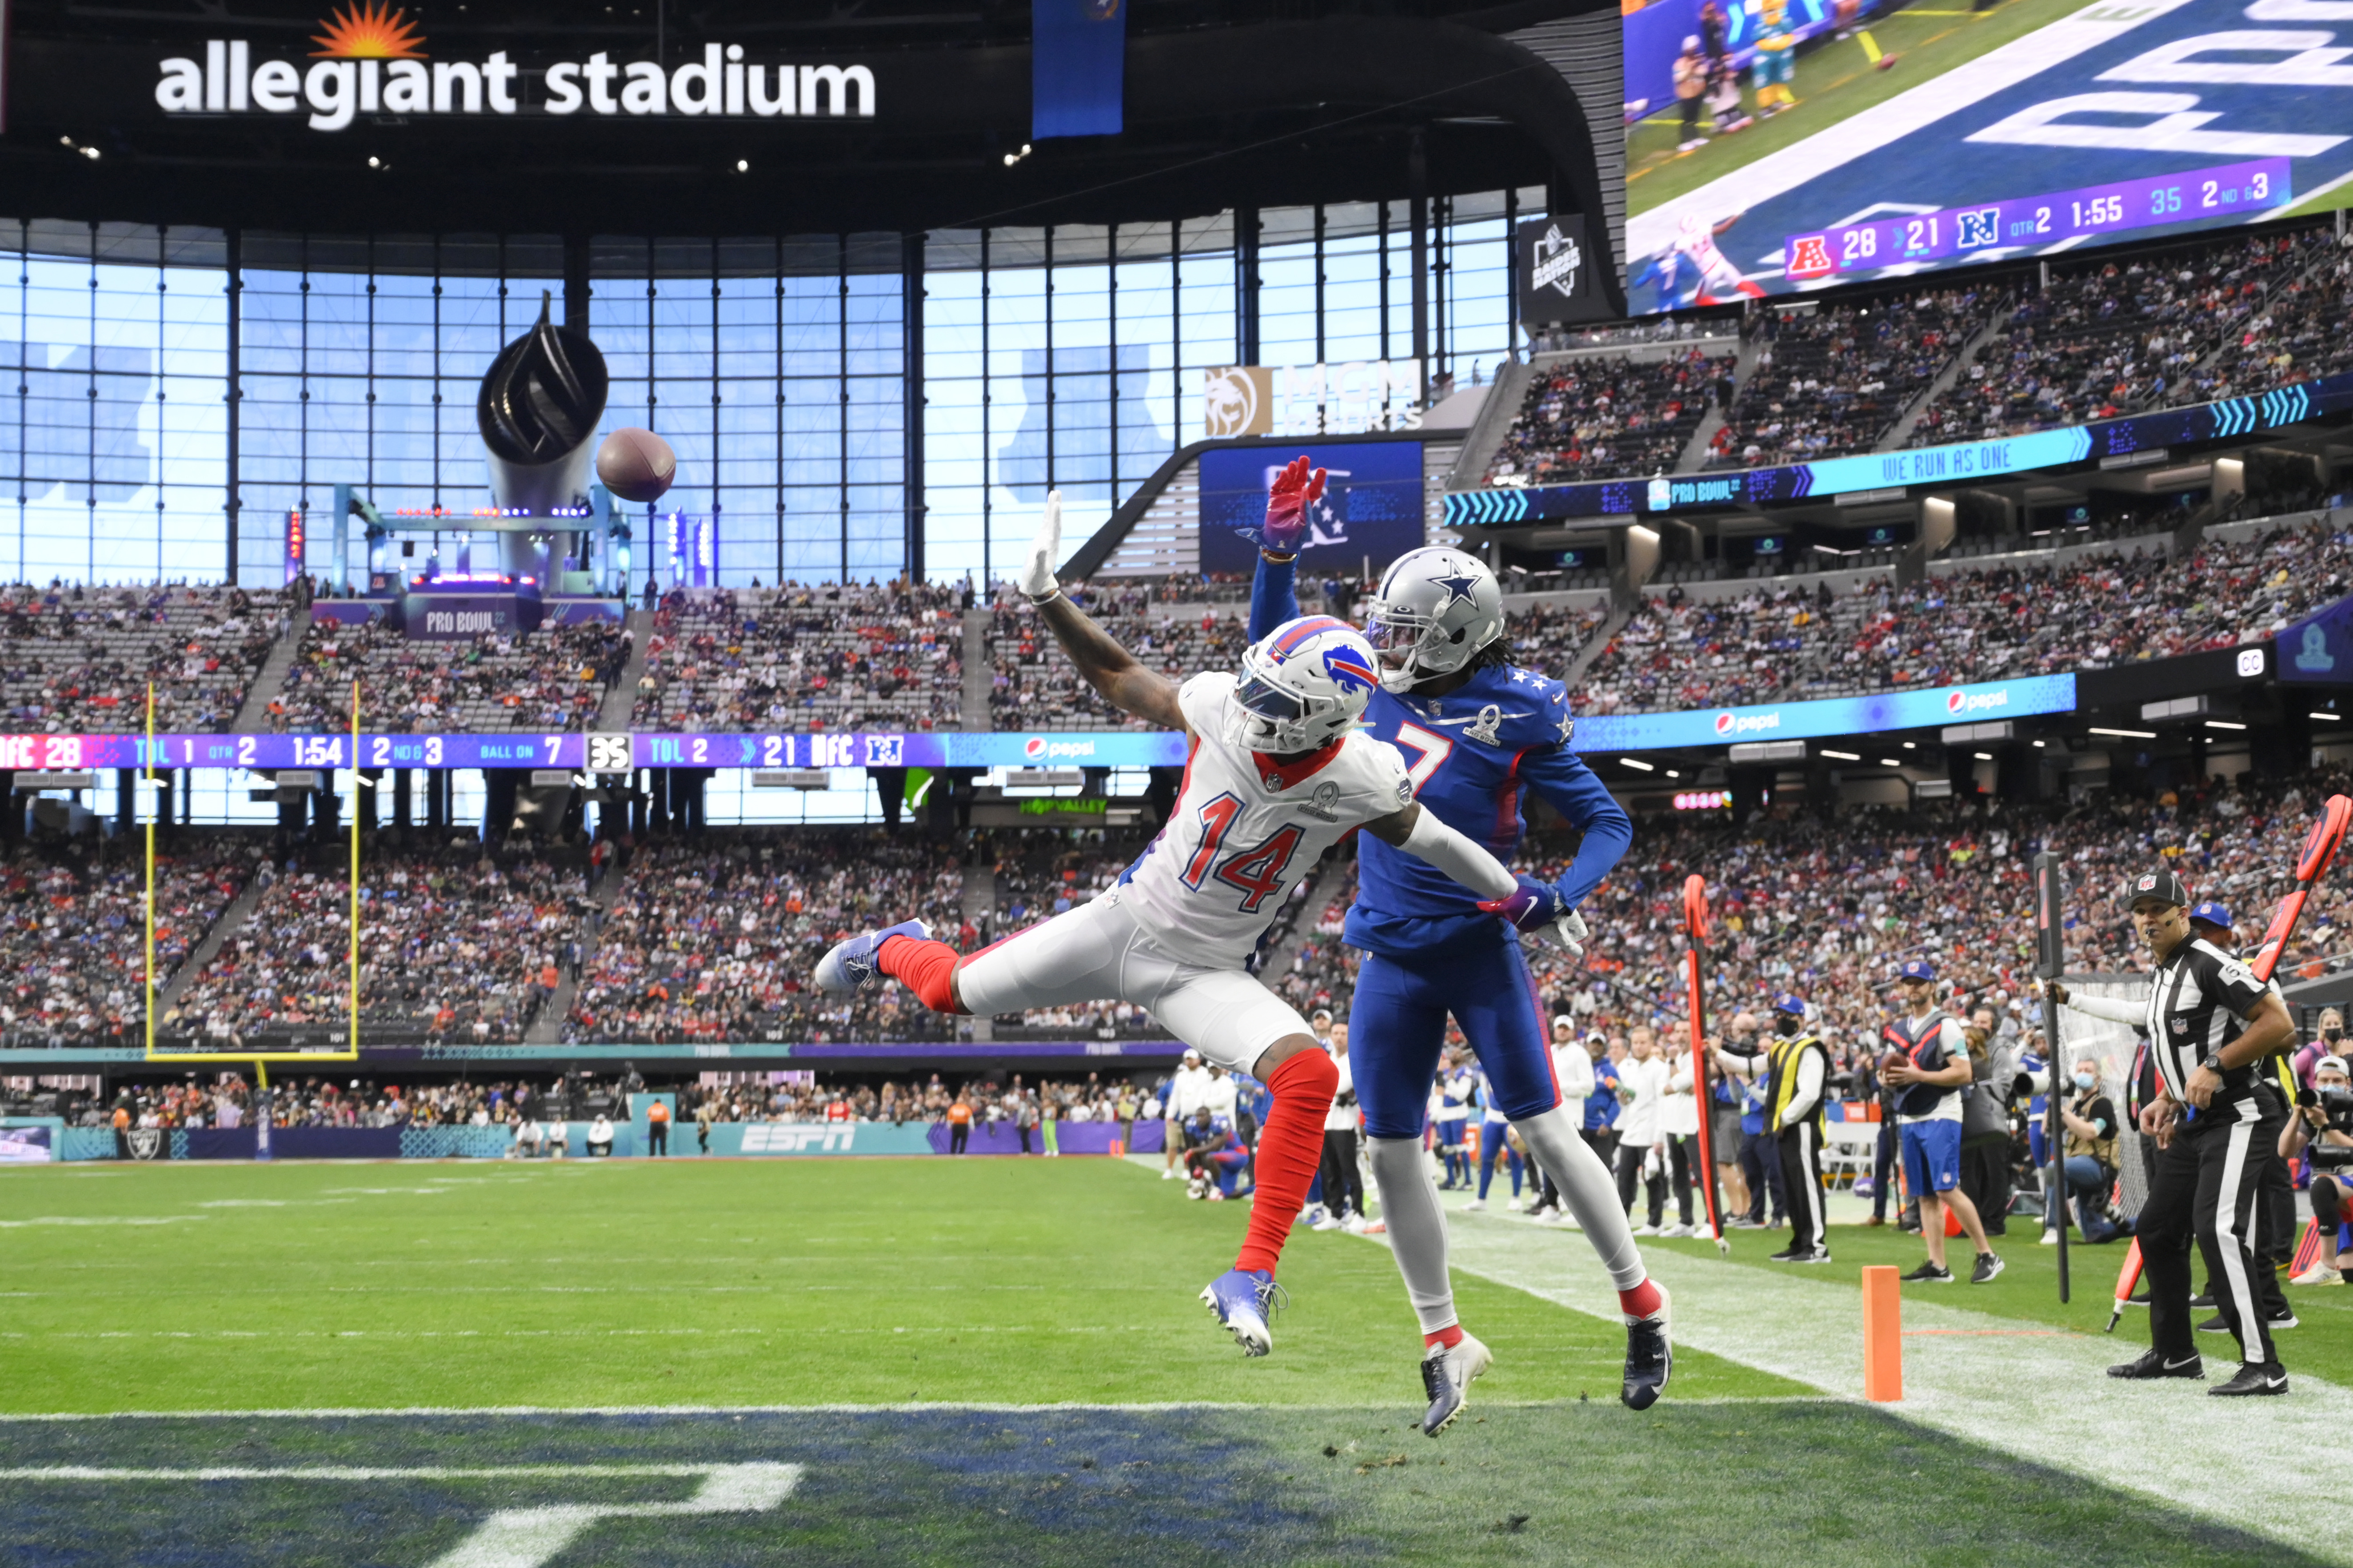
1605, 416
77, 659
549, 681
1974, 624
455, 944
73, 934
806, 656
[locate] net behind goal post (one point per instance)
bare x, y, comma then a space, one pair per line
2114, 1044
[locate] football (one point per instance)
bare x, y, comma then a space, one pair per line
636, 465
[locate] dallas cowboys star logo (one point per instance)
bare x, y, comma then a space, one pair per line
1458, 587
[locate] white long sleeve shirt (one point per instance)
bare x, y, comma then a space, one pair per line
1679, 1112
1641, 1087
1574, 1067
1341, 1118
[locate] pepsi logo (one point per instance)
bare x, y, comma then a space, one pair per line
1034, 747
1956, 700
1723, 723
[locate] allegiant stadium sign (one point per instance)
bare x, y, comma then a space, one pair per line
371, 61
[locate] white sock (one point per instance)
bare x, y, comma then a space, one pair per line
1417, 1228
1587, 1188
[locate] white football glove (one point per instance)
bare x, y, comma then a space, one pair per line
1036, 577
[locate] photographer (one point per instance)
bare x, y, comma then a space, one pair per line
2322, 1128
2088, 1169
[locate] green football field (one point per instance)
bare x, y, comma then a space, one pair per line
920, 1360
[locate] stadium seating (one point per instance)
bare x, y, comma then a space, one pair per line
72, 934
79, 660
797, 658
458, 945
1838, 380
1033, 685
1795, 640
2108, 338
549, 681
714, 940
1608, 416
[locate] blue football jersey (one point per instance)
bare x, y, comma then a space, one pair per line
1471, 756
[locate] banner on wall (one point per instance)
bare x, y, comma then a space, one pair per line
1354, 398
1557, 280
1371, 510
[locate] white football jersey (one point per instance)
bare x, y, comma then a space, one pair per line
1245, 831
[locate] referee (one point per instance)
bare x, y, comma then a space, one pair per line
2209, 1023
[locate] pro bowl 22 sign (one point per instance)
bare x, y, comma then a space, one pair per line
372, 61
1981, 702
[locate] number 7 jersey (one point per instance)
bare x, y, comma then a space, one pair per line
1245, 829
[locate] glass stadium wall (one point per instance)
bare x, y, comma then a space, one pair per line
781, 369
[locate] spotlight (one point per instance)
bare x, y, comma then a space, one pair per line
90, 153
742, 165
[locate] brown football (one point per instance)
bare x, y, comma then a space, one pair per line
636, 465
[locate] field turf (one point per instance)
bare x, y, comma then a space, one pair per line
670, 1317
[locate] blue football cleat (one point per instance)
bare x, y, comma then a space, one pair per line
1241, 1302
850, 965
1650, 1355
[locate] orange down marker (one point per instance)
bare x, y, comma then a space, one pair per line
1883, 1335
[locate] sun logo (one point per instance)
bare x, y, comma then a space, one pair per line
369, 30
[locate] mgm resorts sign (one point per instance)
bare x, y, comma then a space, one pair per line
371, 61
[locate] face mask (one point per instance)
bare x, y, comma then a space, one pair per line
2084, 1080
2334, 1032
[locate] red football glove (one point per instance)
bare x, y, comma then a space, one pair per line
1295, 491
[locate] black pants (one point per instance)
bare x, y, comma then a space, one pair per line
2206, 1187
657, 1138
1762, 1164
1343, 1184
1885, 1158
1985, 1178
959, 1134
1024, 1131
1629, 1172
1800, 1148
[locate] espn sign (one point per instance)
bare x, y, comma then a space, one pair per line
800, 1137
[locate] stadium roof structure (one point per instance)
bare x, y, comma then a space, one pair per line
1227, 106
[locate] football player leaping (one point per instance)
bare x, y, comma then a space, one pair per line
1278, 769
1477, 732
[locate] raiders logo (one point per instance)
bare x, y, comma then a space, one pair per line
145, 1143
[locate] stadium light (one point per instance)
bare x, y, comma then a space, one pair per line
1842, 756
2122, 735
2223, 724
1644, 767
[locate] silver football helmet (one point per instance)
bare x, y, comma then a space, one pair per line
1435, 608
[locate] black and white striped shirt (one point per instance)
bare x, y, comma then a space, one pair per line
2199, 1001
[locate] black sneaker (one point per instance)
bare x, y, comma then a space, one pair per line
2283, 1319
2214, 1325
2152, 1364
2204, 1299
1929, 1274
2254, 1378
1650, 1356
1787, 1254
1987, 1267
1813, 1254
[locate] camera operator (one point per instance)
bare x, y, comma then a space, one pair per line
2321, 1129
2088, 1168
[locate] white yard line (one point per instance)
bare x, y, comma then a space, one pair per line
2042, 1395
508, 1537
1859, 135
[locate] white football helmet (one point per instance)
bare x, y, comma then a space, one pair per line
1435, 608
1302, 684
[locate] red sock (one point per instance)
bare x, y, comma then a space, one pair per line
927, 967
1290, 1148
1450, 1336
1640, 1302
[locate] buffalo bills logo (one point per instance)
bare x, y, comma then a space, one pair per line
1350, 669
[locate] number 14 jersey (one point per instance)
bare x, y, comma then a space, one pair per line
1245, 829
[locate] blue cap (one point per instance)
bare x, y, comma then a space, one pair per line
2212, 913
1791, 1003
1918, 969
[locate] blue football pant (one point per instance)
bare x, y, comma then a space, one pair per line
1397, 1029
1491, 1143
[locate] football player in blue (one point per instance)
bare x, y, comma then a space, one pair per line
1476, 733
